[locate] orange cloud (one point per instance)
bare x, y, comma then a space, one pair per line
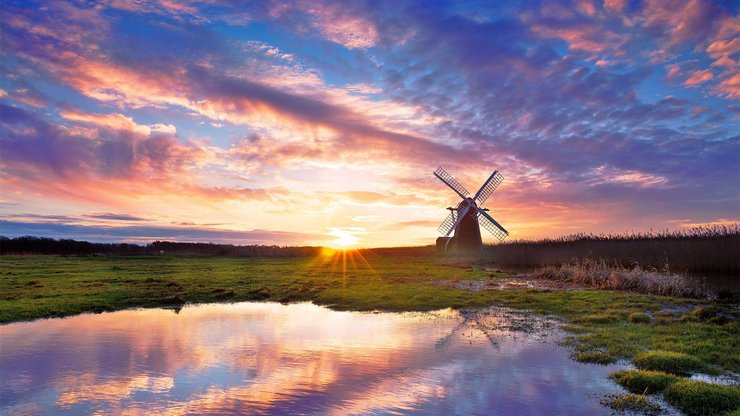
698, 77
584, 37
117, 122
730, 87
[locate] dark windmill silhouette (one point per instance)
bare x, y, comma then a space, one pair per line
466, 218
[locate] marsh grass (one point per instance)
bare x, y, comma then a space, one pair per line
701, 250
598, 274
639, 318
696, 398
644, 382
635, 403
669, 362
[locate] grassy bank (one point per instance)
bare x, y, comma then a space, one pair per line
657, 332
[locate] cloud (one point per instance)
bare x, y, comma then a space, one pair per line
605, 174
113, 216
730, 87
352, 105
433, 224
698, 77
118, 121
41, 149
145, 234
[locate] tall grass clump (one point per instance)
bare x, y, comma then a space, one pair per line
644, 382
668, 361
597, 274
714, 249
697, 398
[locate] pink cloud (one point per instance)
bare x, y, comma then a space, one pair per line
343, 27
586, 7
722, 50
614, 6
336, 22
673, 71
588, 37
698, 77
730, 87
681, 20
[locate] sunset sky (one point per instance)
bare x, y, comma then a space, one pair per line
310, 121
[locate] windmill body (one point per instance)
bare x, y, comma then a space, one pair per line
466, 218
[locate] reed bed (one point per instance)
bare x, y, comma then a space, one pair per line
701, 250
598, 274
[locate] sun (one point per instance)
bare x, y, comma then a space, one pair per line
344, 238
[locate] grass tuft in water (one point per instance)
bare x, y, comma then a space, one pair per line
644, 382
669, 362
638, 403
697, 398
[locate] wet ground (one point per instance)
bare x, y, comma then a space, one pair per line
296, 359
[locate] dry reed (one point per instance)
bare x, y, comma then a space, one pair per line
597, 274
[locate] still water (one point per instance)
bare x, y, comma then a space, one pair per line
268, 358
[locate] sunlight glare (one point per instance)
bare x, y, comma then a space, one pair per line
345, 238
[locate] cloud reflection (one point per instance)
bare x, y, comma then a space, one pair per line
297, 359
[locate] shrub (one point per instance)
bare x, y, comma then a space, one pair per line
699, 398
668, 361
644, 382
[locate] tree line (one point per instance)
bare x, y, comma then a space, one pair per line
45, 245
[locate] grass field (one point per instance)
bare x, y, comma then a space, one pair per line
605, 325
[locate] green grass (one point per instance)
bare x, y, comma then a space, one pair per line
48, 286
644, 382
697, 398
669, 362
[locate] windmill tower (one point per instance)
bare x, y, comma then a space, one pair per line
465, 219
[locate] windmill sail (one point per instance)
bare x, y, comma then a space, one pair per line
457, 216
488, 187
491, 225
448, 224
451, 182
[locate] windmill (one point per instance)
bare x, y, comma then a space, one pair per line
466, 218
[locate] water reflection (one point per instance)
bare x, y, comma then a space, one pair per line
293, 359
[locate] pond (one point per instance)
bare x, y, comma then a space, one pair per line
269, 358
